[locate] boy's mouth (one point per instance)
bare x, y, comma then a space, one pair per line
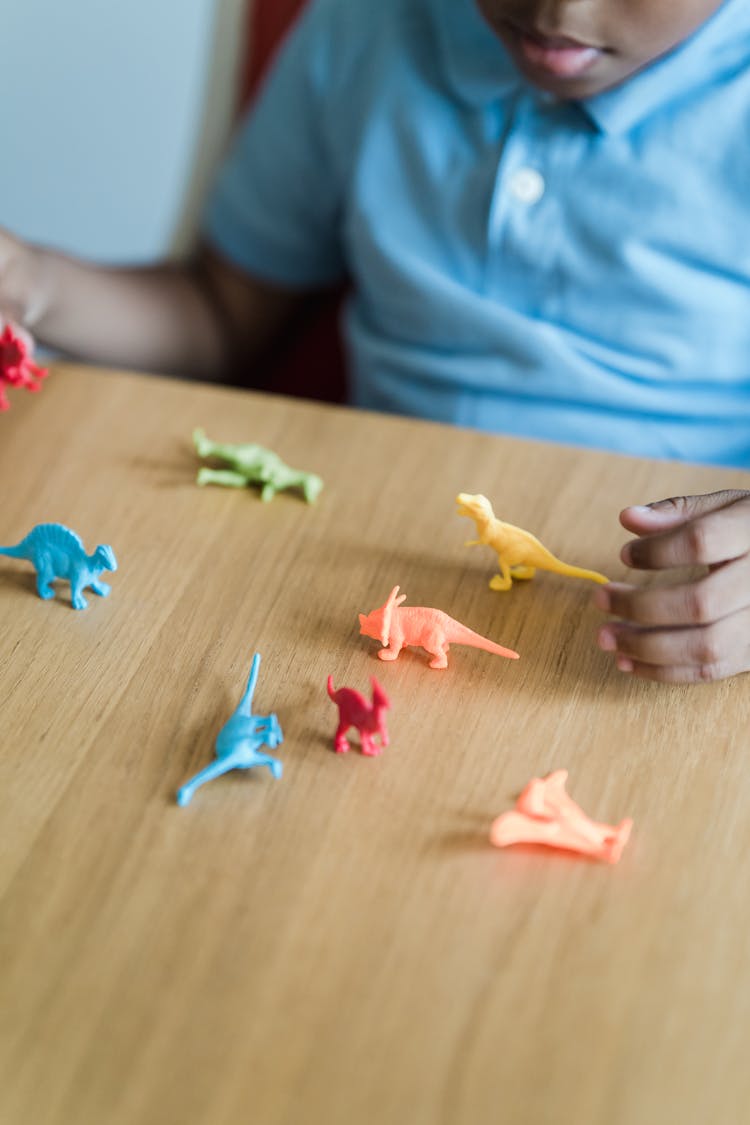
557, 56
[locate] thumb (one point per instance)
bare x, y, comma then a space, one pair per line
20, 333
661, 515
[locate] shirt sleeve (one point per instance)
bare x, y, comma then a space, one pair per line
275, 207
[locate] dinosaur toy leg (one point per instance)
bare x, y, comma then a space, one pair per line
340, 741
369, 747
203, 445
102, 589
76, 596
207, 448
522, 572
268, 491
227, 477
212, 770
273, 764
45, 576
440, 657
391, 652
309, 484
503, 580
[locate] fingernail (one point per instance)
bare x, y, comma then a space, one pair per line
626, 555
624, 664
643, 510
606, 640
602, 599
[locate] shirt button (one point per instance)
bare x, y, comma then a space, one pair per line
527, 185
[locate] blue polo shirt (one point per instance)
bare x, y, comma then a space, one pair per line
573, 271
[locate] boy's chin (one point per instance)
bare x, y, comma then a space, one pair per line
602, 75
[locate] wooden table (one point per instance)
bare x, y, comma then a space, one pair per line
344, 945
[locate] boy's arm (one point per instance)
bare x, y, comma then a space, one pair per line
686, 631
197, 320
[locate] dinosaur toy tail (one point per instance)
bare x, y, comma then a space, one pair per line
16, 552
579, 572
615, 847
331, 692
459, 635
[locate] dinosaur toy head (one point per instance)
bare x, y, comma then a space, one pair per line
377, 623
371, 624
474, 506
104, 557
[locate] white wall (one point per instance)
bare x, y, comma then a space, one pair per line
114, 113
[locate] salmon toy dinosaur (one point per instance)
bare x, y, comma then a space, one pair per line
519, 553
431, 629
545, 814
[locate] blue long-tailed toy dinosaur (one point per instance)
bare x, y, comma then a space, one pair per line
239, 741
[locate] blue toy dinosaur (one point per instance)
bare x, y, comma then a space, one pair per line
238, 742
57, 552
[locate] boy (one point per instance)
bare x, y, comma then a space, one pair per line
542, 207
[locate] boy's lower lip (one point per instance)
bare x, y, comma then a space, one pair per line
560, 60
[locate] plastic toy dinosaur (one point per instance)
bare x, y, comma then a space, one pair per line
356, 711
239, 741
545, 814
430, 629
519, 553
16, 367
57, 552
252, 464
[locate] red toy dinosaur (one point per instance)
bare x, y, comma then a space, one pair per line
431, 629
16, 367
355, 711
545, 814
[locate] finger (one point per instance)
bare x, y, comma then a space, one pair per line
721, 592
680, 674
721, 643
705, 540
645, 519
25, 337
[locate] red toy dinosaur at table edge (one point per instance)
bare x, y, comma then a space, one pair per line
16, 366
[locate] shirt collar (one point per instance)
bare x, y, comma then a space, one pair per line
480, 70
718, 48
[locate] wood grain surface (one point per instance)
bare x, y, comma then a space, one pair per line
344, 945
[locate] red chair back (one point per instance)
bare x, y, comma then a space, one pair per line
269, 22
309, 361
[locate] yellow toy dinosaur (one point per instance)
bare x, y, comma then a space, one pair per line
519, 553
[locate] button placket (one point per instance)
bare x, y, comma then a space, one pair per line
522, 237
526, 185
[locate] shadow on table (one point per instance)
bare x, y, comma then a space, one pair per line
549, 620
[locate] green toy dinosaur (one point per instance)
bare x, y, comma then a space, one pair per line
252, 464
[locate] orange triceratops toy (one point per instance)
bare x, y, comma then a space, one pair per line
430, 629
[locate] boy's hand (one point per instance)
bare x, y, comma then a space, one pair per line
22, 298
689, 631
